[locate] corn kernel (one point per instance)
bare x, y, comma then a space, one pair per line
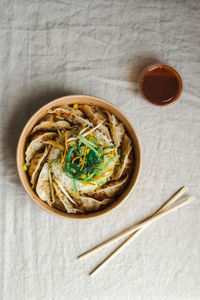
24, 167
75, 106
83, 176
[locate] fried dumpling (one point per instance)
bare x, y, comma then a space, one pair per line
36, 165
76, 111
48, 117
116, 128
96, 118
53, 154
48, 125
43, 187
90, 204
60, 197
70, 116
36, 144
125, 151
110, 190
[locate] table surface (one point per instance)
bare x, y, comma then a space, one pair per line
59, 47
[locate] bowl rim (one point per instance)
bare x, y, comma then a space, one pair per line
21, 147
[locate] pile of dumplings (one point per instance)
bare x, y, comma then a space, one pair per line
46, 152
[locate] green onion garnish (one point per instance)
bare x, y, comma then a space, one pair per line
75, 186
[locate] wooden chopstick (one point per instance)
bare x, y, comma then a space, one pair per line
125, 243
135, 230
145, 224
169, 202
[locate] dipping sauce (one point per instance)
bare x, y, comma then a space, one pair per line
160, 84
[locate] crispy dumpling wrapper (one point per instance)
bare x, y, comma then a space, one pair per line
90, 204
111, 189
96, 118
50, 125
60, 197
77, 111
49, 118
71, 116
36, 165
53, 153
125, 151
43, 186
36, 144
116, 128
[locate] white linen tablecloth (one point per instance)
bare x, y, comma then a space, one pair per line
53, 48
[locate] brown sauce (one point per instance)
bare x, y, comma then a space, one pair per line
160, 85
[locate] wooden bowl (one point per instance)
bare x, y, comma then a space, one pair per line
80, 99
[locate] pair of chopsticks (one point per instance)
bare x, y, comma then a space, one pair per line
169, 206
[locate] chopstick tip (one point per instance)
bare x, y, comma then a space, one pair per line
184, 189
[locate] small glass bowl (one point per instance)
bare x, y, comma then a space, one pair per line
148, 69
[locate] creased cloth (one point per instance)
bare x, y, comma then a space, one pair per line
53, 48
